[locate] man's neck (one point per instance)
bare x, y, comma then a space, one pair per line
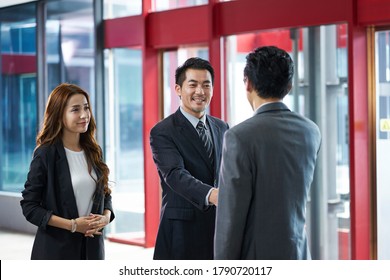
258, 102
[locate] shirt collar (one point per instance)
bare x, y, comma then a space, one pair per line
193, 120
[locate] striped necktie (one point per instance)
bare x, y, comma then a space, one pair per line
208, 144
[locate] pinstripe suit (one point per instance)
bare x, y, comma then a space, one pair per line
186, 229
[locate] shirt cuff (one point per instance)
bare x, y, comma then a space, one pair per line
207, 203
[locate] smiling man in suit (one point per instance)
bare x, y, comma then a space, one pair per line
267, 168
186, 148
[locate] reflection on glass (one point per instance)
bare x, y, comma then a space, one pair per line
162, 5
382, 55
172, 59
321, 94
18, 96
124, 141
121, 8
70, 45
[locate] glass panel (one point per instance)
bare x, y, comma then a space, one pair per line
382, 55
320, 92
124, 140
172, 60
162, 5
18, 94
237, 47
121, 8
70, 44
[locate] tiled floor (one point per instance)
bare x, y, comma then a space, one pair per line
17, 246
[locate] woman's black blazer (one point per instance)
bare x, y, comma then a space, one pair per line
48, 190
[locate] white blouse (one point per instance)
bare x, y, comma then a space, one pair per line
83, 184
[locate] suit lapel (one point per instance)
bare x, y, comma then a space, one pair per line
65, 181
216, 135
186, 129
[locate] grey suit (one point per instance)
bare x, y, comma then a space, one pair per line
267, 167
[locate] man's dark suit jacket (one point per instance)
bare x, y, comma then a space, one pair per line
186, 229
48, 190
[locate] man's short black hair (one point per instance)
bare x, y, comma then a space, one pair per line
270, 70
193, 63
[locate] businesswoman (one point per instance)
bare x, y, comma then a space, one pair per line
66, 194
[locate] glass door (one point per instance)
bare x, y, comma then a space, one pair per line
123, 138
18, 94
382, 135
70, 45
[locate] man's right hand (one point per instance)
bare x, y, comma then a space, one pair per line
213, 198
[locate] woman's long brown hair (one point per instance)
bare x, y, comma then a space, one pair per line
53, 126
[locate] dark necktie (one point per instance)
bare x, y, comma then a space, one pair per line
208, 144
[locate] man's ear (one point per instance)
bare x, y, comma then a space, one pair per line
178, 90
248, 85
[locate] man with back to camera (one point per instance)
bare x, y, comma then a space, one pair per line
267, 168
186, 149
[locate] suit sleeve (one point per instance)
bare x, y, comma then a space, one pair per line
170, 165
235, 193
33, 194
108, 205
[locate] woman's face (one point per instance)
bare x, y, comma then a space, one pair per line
77, 114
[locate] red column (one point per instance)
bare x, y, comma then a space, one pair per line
359, 140
215, 60
150, 118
